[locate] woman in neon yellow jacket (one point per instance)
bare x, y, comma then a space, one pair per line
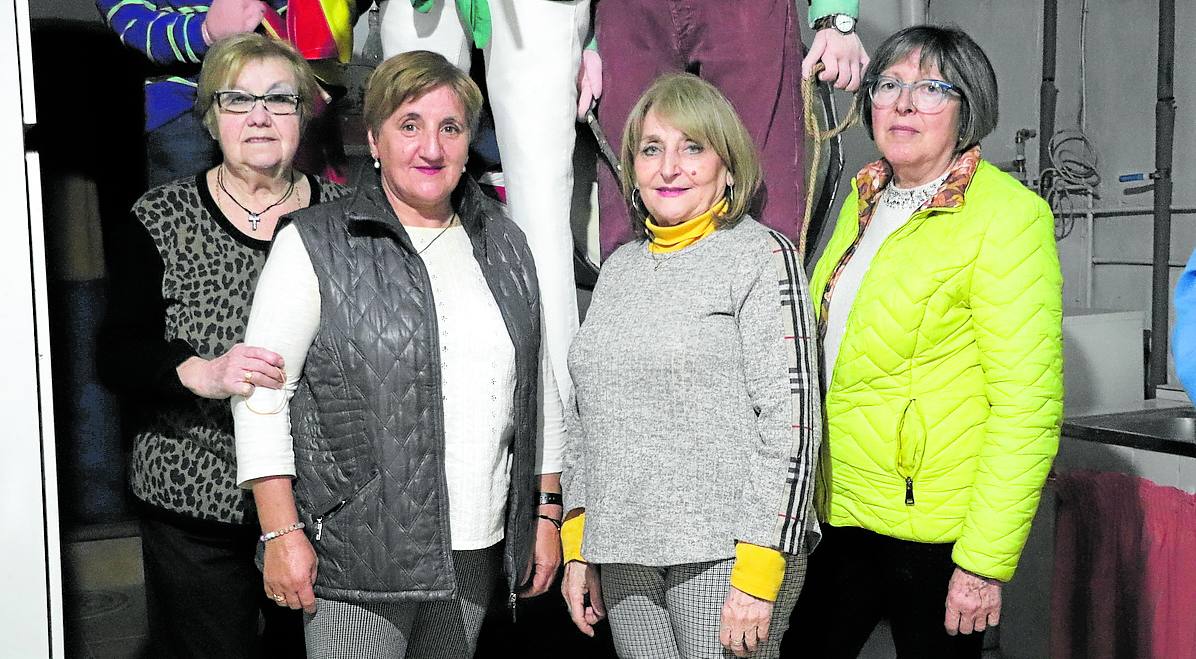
939, 302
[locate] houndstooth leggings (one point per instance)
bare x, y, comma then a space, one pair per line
673, 612
409, 630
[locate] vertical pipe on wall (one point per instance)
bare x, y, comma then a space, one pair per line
1047, 92
913, 12
1164, 117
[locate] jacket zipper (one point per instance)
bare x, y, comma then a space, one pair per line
909, 490
508, 551
333, 511
329, 512
438, 394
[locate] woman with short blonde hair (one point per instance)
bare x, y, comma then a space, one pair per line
700, 112
695, 426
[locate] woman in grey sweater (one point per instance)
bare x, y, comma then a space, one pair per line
696, 421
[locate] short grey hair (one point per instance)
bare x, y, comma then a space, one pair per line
962, 63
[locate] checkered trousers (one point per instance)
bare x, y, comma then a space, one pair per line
673, 612
409, 630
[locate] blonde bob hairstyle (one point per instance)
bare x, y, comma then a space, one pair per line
409, 76
225, 61
700, 111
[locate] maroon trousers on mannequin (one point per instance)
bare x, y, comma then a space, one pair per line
748, 49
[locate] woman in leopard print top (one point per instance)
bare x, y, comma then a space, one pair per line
181, 361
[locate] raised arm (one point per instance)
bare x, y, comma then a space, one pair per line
841, 53
167, 34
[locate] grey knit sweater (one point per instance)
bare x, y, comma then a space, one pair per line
696, 417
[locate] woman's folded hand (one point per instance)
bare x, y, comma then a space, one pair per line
744, 624
290, 571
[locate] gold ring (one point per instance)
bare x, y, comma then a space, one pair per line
247, 376
278, 598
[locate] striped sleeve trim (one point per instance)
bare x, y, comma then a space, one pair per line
149, 36
187, 32
125, 3
170, 30
793, 520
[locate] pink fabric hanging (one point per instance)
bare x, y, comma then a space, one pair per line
1125, 569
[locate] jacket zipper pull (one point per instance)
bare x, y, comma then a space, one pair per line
511, 605
909, 492
320, 519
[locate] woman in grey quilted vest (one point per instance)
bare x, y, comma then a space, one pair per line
396, 472
175, 344
696, 424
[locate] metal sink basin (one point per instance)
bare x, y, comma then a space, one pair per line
1174, 426
1180, 425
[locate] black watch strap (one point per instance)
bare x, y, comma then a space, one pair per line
551, 499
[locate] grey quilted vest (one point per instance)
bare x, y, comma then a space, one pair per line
367, 418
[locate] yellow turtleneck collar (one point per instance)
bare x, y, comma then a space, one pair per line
679, 236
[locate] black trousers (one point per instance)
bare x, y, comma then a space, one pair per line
204, 593
857, 577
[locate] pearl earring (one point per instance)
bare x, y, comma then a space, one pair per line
377, 164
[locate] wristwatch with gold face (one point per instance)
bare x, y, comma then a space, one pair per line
842, 23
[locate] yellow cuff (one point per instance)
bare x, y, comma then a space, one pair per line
758, 571
572, 531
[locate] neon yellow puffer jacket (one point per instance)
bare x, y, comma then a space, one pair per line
944, 409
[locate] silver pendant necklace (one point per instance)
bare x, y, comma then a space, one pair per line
451, 223
254, 218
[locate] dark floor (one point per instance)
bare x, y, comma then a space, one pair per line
105, 603
106, 617
105, 599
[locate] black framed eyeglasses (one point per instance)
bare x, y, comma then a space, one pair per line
929, 96
240, 102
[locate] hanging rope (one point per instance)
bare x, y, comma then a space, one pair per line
815, 131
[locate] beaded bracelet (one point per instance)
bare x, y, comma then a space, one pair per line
267, 537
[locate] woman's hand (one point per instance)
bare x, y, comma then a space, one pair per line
236, 372
546, 558
589, 82
581, 583
973, 603
843, 55
290, 571
225, 18
744, 624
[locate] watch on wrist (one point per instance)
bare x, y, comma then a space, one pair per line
842, 23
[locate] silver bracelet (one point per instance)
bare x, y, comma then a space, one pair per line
267, 537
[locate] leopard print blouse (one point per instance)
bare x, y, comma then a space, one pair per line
183, 459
